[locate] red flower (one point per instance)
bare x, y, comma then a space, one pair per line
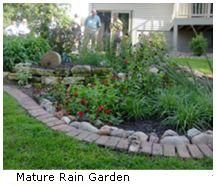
100, 108
108, 111
75, 94
126, 62
83, 101
80, 114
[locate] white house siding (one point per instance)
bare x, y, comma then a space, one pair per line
145, 16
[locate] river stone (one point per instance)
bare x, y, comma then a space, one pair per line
80, 69
50, 59
66, 119
105, 130
202, 138
47, 105
72, 118
169, 133
193, 132
119, 133
153, 138
49, 80
175, 140
138, 136
121, 75
72, 80
84, 126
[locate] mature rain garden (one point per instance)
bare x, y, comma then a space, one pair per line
139, 100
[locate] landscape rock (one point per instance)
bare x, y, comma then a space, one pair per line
105, 130
134, 145
169, 133
59, 114
28, 86
203, 138
153, 138
153, 69
47, 105
72, 80
22, 67
175, 140
84, 126
50, 80
66, 119
41, 72
193, 132
50, 59
72, 118
138, 136
12, 76
121, 75
119, 133
80, 69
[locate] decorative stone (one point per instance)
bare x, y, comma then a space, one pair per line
153, 138
153, 70
203, 138
193, 132
80, 69
47, 105
210, 132
72, 80
72, 118
41, 72
134, 146
84, 126
50, 59
138, 136
59, 114
22, 67
119, 133
49, 80
169, 133
66, 119
5, 74
105, 130
12, 76
175, 140
121, 75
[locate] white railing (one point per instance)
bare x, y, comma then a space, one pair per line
190, 10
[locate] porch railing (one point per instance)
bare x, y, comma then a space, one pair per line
191, 10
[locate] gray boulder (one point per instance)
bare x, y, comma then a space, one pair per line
138, 136
47, 105
79, 69
66, 119
193, 132
119, 133
84, 126
105, 130
169, 133
175, 140
72, 80
49, 80
203, 138
153, 138
50, 59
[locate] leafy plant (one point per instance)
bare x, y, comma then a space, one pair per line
23, 77
198, 44
19, 49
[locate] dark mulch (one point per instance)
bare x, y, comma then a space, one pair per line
146, 126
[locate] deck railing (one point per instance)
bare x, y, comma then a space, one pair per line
191, 10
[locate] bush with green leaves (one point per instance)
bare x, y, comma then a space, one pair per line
198, 44
23, 49
23, 77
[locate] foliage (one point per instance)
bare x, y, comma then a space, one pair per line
38, 15
62, 39
23, 77
54, 150
198, 44
19, 49
95, 58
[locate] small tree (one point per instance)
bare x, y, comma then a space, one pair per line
198, 44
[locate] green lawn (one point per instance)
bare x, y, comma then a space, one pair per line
199, 64
29, 144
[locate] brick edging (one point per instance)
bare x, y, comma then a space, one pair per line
35, 110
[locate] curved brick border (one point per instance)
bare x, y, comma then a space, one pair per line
183, 151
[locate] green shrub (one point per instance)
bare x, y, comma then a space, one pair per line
19, 49
23, 77
198, 44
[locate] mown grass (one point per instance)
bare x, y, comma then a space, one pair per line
199, 64
29, 144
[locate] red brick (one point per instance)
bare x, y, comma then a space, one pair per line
169, 150
63, 128
112, 142
157, 149
102, 140
92, 137
123, 144
146, 147
205, 150
182, 151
